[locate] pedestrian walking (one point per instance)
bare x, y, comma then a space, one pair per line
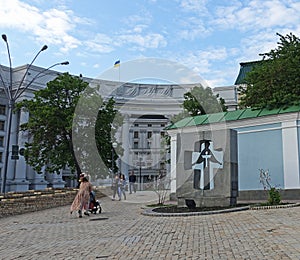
132, 181
122, 185
82, 198
115, 187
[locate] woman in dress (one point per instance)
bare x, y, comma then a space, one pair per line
121, 186
82, 198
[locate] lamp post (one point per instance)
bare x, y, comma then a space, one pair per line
140, 173
12, 95
114, 146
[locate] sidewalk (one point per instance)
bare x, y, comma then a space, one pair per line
122, 232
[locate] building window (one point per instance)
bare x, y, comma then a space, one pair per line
148, 145
149, 125
2, 125
1, 156
135, 145
2, 109
149, 134
1, 141
162, 134
135, 134
136, 125
149, 156
162, 125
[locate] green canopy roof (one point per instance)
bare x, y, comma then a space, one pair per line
244, 69
230, 116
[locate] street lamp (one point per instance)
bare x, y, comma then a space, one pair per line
114, 146
12, 95
140, 173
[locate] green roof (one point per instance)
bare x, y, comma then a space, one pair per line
244, 69
181, 123
230, 116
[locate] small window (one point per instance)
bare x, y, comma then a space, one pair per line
135, 145
162, 134
135, 134
2, 123
163, 125
149, 134
149, 125
136, 125
1, 141
1, 157
2, 109
149, 156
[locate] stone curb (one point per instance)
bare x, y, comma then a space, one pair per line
150, 212
275, 206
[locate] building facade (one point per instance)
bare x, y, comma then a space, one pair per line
147, 110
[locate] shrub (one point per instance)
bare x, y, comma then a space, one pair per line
274, 197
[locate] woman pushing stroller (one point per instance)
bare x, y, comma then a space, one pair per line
81, 201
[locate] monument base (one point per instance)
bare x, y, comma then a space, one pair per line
19, 185
208, 175
207, 202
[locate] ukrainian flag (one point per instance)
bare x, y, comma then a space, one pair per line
117, 63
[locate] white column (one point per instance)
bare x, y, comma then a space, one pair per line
156, 148
290, 155
173, 162
11, 163
20, 183
142, 139
125, 144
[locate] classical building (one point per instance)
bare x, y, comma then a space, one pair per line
147, 109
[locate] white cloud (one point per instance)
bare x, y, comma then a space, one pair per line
145, 18
197, 6
143, 41
257, 15
102, 43
201, 61
193, 28
51, 27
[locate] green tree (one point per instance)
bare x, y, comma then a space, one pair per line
200, 101
94, 128
274, 82
107, 124
51, 124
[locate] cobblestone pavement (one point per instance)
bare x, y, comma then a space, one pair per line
122, 232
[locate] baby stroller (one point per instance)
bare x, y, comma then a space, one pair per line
94, 206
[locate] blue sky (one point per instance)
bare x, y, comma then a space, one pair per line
210, 37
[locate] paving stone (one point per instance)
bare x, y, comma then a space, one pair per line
122, 232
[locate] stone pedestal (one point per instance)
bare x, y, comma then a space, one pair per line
55, 180
19, 185
206, 169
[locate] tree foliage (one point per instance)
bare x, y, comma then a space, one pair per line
200, 101
275, 81
51, 125
107, 124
